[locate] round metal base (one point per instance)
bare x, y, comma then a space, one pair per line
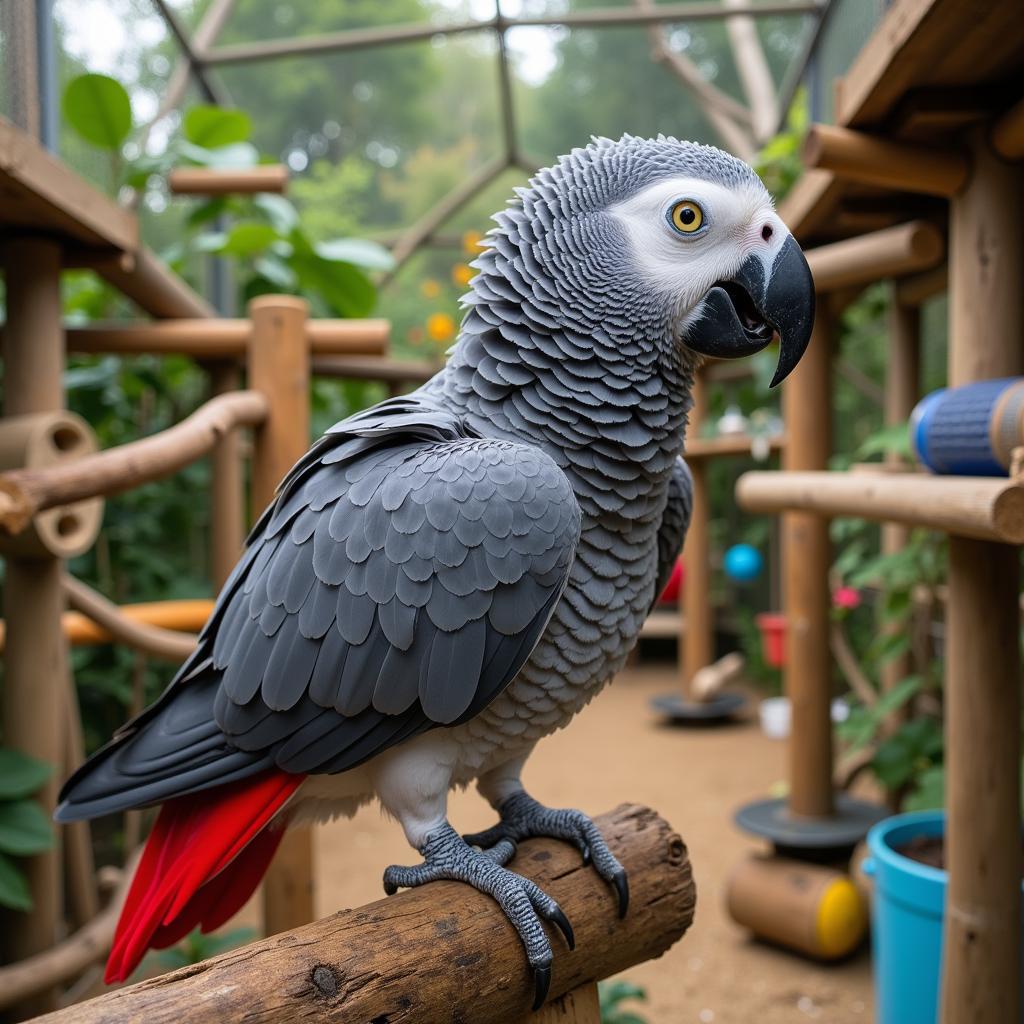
811, 838
719, 708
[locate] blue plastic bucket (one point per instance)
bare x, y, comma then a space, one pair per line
906, 920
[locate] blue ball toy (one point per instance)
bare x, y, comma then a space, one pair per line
743, 563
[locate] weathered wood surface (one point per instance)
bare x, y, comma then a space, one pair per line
440, 953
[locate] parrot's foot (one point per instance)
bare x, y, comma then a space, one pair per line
522, 817
446, 855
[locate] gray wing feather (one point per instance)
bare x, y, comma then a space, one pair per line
398, 583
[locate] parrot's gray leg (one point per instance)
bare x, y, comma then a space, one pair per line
446, 855
522, 817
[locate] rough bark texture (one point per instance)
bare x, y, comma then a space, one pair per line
441, 953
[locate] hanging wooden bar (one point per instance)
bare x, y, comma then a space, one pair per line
223, 338
278, 366
891, 252
23, 492
208, 181
869, 160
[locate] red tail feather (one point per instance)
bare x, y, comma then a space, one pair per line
218, 833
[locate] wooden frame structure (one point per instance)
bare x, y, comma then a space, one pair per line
930, 81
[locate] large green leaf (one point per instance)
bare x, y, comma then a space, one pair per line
14, 892
98, 108
248, 238
345, 288
233, 156
361, 252
24, 828
278, 210
213, 127
21, 775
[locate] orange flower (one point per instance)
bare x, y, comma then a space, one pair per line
471, 242
440, 327
430, 288
462, 274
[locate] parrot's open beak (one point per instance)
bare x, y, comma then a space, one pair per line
742, 315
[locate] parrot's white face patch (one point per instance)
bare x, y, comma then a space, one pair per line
682, 263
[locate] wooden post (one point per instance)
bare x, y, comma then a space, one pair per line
901, 393
227, 512
807, 412
35, 655
981, 958
279, 369
697, 640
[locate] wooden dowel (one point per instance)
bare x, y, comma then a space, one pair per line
1008, 133
892, 252
227, 485
152, 640
184, 616
981, 980
70, 956
399, 371
435, 954
916, 289
986, 508
23, 492
807, 413
870, 160
727, 445
698, 639
207, 181
278, 366
154, 287
36, 657
223, 338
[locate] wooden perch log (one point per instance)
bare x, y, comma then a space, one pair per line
24, 492
436, 954
868, 160
986, 508
391, 371
207, 181
152, 640
153, 286
891, 252
224, 339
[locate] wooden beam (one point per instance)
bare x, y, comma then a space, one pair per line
35, 660
728, 445
208, 181
809, 204
154, 287
870, 160
23, 492
985, 508
915, 289
278, 366
807, 413
223, 338
891, 252
436, 954
982, 925
382, 368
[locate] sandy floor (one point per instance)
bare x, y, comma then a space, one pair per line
616, 751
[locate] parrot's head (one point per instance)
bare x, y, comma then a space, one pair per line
674, 242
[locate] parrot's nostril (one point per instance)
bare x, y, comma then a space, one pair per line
766, 232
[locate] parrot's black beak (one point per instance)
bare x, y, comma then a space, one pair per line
742, 315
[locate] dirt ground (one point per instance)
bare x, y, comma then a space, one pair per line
617, 750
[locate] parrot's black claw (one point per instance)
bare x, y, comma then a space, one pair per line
542, 978
525, 904
522, 817
621, 883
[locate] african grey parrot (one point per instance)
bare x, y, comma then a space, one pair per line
447, 577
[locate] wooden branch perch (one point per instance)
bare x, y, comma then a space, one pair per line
90, 943
209, 181
24, 492
440, 953
152, 640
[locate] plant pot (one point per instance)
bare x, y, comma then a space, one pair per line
908, 900
776, 714
773, 637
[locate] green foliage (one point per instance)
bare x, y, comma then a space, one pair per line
612, 994
24, 826
214, 127
778, 163
98, 108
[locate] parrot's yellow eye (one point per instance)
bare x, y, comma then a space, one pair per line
686, 217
